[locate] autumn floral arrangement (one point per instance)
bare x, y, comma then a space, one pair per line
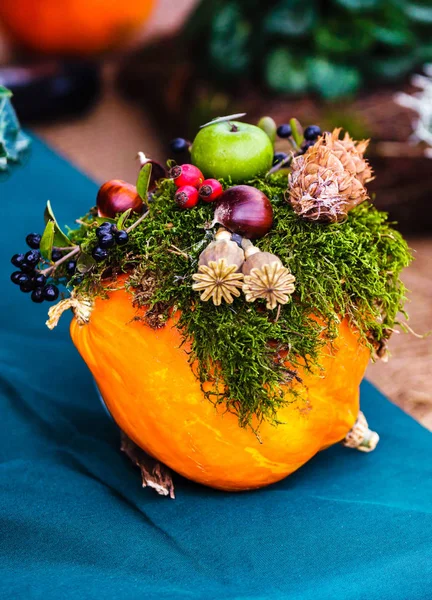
228, 305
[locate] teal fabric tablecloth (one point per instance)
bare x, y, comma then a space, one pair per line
75, 523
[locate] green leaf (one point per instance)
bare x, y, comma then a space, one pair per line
297, 132
143, 181
100, 220
359, 4
291, 18
392, 28
392, 68
230, 43
332, 80
47, 241
60, 238
123, 217
337, 36
420, 12
224, 119
424, 53
284, 73
85, 262
393, 37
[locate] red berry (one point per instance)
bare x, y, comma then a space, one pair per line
210, 190
186, 196
186, 175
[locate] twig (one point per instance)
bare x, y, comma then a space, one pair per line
420, 336
76, 249
178, 251
137, 222
64, 258
278, 313
285, 162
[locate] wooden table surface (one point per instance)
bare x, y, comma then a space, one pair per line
104, 145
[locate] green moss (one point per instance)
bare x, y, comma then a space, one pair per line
350, 268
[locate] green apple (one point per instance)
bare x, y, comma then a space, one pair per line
231, 149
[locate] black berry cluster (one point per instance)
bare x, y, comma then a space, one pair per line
28, 278
108, 236
310, 135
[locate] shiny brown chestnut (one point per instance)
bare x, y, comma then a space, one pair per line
245, 210
116, 196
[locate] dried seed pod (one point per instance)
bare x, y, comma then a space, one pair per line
321, 188
218, 281
266, 277
350, 153
222, 247
219, 275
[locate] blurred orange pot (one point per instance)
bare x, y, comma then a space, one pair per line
72, 26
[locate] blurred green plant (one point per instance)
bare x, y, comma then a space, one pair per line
13, 142
329, 47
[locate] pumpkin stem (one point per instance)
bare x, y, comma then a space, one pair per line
360, 436
81, 306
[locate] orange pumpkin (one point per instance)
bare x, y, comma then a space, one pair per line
149, 387
72, 26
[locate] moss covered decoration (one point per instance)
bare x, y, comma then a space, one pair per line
348, 268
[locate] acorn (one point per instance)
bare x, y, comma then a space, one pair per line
117, 196
265, 277
245, 210
219, 274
